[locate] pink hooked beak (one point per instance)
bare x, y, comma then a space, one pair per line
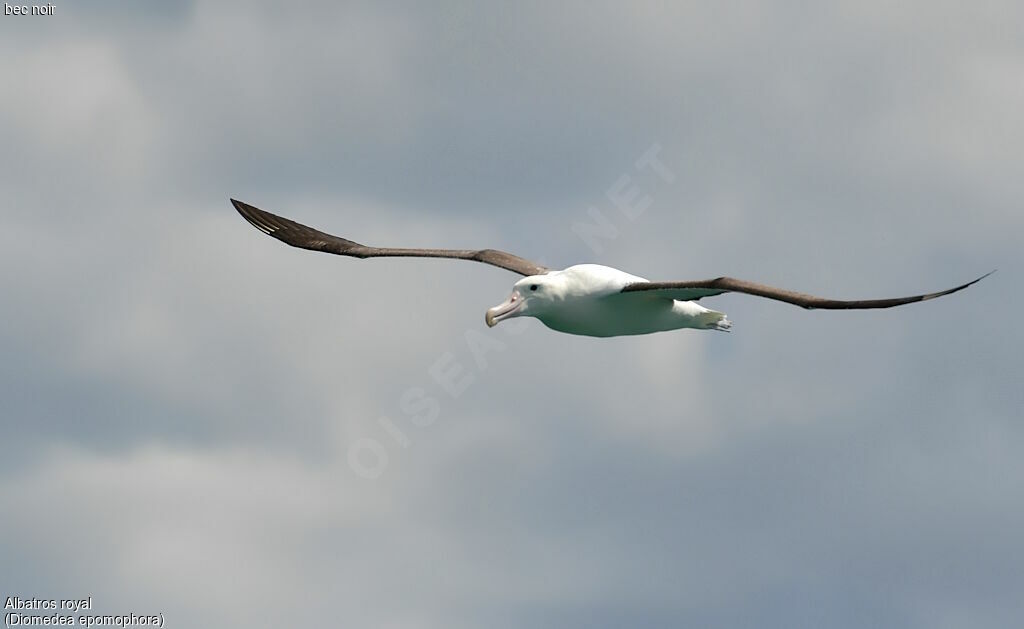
505, 310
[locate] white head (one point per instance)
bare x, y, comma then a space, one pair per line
531, 296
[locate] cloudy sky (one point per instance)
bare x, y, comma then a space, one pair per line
200, 421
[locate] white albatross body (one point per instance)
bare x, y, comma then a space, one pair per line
587, 299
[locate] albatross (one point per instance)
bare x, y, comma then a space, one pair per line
584, 299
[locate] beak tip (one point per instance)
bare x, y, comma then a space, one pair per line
489, 318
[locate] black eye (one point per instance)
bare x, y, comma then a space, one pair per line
533, 287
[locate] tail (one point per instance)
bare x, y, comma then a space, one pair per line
713, 320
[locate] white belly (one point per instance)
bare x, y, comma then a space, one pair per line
624, 315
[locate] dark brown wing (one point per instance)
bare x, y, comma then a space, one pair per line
298, 235
707, 288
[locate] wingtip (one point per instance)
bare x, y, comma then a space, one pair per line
250, 213
981, 278
957, 289
256, 217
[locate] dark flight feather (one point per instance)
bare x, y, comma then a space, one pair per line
299, 235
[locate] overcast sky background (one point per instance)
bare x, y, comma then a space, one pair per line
181, 394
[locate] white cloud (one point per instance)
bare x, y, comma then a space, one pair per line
73, 105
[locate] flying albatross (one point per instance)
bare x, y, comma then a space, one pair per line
586, 299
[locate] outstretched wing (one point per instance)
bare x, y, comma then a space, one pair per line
688, 291
298, 235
